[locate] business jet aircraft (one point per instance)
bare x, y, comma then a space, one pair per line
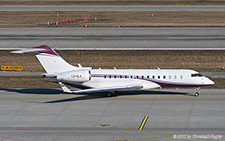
111, 80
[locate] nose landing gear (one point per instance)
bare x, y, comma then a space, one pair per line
197, 92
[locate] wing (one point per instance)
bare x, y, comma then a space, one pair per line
106, 89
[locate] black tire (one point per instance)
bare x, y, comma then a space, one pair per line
109, 94
196, 94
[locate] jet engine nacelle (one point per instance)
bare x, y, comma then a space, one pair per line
75, 76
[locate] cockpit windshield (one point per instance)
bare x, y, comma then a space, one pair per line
196, 75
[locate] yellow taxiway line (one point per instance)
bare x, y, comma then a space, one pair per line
143, 123
165, 134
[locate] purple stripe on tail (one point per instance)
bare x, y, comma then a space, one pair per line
50, 51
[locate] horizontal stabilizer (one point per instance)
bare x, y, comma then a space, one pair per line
28, 50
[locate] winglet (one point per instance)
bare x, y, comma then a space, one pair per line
64, 88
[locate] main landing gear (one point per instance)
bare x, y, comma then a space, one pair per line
197, 92
110, 94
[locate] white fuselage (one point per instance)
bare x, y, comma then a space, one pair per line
148, 78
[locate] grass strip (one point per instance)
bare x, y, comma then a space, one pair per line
115, 19
201, 61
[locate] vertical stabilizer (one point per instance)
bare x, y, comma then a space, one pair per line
49, 59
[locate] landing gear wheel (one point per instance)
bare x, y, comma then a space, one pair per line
110, 94
196, 94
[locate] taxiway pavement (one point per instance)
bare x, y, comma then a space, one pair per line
46, 114
183, 38
112, 8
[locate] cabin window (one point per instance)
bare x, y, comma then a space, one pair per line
125, 76
169, 76
196, 75
131, 76
137, 76
142, 76
158, 77
153, 77
175, 77
148, 76
164, 77
104, 76
181, 77
109, 76
115, 76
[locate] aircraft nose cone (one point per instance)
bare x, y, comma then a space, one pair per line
212, 82
209, 82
